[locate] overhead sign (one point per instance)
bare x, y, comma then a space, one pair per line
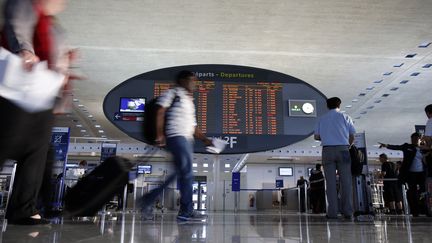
252, 109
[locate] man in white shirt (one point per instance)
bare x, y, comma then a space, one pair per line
176, 128
336, 132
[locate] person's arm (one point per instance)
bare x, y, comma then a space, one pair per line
351, 130
198, 134
160, 124
317, 132
392, 147
19, 26
351, 139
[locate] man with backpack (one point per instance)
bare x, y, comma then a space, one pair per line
392, 190
176, 128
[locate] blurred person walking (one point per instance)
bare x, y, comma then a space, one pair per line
336, 132
30, 31
176, 128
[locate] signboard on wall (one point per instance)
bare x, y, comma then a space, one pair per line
235, 182
60, 142
108, 150
252, 109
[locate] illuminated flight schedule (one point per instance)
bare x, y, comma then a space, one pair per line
252, 109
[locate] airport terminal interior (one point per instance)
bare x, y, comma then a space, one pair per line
265, 69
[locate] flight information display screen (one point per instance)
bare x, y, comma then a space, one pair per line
252, 109
243, 108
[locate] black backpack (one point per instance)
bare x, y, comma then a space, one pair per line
357, 159
149, 126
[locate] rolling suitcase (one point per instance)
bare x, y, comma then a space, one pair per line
95, 189
363, 207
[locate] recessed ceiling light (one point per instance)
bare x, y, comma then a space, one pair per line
80, 105
370, 88
227, 171
194, 165
205, 171
357, 117
227, 165
83, 130
363, 112
424, 45
78, 125
377, 101
86, 135
348, 106
387, 73
411, 55
427, 65
385, 95
415, 74
355, 100
195, 171
394, 88
90, 116
103, 136
205, 165
370, 107
362, 94
101, 131
378, 81
398, 65
97, 126
404, 81
75, 100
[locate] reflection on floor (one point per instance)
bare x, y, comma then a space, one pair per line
224, 227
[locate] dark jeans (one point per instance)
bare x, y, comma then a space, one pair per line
182, 151
415, 179
24, 137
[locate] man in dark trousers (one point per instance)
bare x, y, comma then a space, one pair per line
336, 132
412, 171
317, 190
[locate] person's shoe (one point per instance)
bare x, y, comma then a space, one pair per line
29, 221
194, 216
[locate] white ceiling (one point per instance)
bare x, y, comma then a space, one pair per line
340, 47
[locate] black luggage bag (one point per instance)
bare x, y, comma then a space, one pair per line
98, 187
363, 206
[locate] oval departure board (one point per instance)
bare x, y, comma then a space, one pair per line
252, 109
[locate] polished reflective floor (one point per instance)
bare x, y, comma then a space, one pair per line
224, 227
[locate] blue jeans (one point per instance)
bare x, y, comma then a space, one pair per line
182, 150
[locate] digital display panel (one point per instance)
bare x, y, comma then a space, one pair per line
144, 169
132, 104
249, 108
285, 171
